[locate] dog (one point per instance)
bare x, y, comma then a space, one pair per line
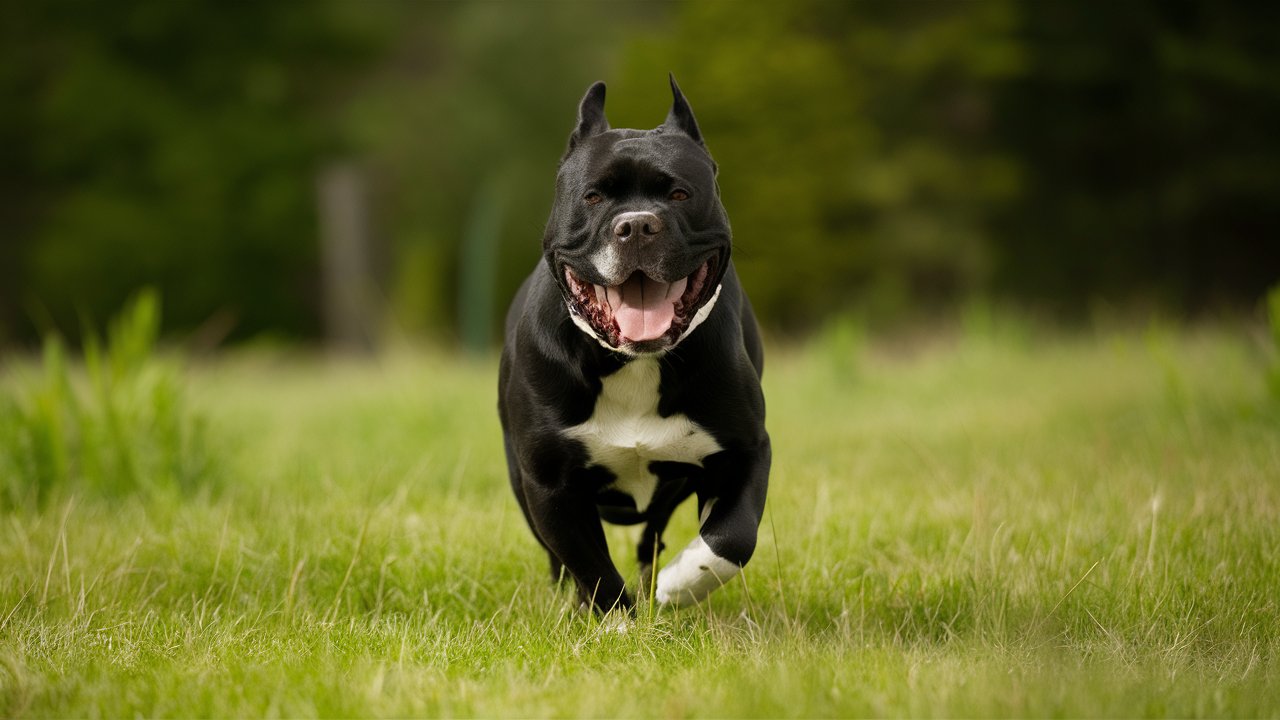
630, 371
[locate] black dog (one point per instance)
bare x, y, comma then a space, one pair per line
630, 377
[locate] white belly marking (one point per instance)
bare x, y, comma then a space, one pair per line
625, 432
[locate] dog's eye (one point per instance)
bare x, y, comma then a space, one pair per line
679, 194
592, 197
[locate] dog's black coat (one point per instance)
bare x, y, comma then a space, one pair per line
555, 366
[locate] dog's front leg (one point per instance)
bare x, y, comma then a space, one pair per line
569, 524
732, 505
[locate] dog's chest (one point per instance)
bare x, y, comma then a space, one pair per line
625, 433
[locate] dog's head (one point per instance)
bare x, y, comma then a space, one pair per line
638, 239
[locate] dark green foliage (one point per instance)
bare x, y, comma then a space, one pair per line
172, 144
904, 156
119, 427
1146, 135
885, 158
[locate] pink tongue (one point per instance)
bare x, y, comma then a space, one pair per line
645, 308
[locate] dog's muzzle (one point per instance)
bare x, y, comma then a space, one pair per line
642, 313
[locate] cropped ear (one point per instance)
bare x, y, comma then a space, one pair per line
681, 115
591, 119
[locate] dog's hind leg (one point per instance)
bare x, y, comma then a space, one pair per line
558, 575
568, 523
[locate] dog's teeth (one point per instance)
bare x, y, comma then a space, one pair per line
600, 295
613, 296
699, 278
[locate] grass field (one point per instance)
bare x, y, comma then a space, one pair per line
980, 524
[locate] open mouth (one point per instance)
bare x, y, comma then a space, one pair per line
642, 311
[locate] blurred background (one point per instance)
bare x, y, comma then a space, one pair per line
352, 172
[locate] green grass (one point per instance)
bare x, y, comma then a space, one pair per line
1005, 523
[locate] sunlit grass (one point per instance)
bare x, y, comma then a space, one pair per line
1000, 524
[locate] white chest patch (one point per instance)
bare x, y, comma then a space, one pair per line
625, 432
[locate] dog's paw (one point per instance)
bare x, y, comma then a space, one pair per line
693, 574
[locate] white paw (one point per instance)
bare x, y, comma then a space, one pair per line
693, 574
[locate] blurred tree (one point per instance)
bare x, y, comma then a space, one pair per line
1148, 136
170, 143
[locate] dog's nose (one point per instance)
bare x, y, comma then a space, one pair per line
636, 225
